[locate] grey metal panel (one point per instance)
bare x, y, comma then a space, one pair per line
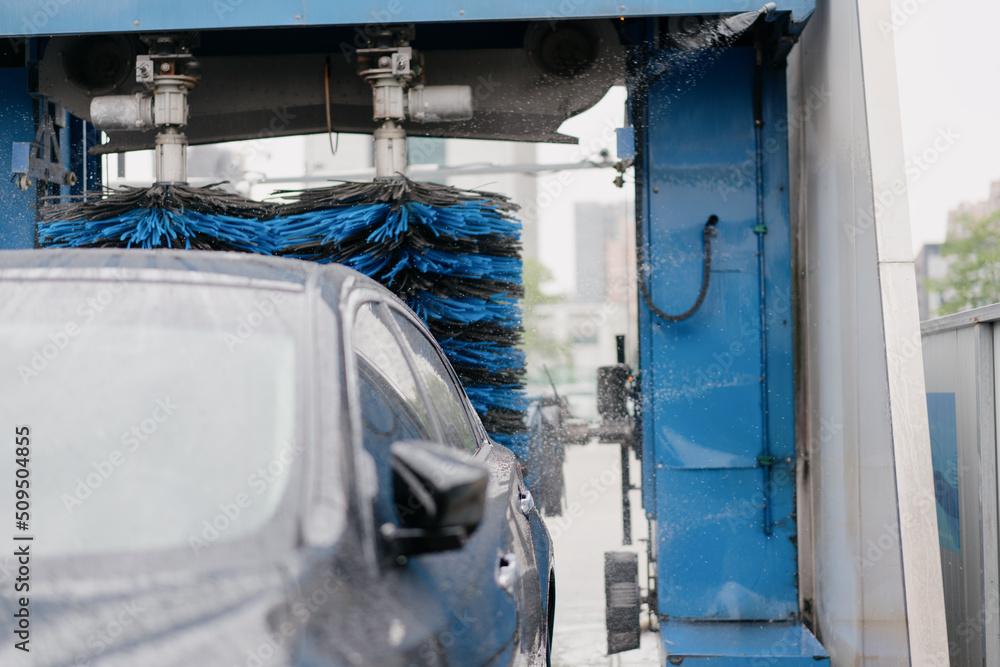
961, 360
986, 390
863, 378
940, 358
951, 367
989, 313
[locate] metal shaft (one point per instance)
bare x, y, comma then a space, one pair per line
171, 156
390, 151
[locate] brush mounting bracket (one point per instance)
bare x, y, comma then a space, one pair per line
168, 73
396, 76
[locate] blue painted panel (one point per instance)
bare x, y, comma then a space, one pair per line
737, 644
31, 17
715, 562
719, 555
17, 124
944, 455
706, 369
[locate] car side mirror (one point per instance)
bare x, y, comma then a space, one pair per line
439, 497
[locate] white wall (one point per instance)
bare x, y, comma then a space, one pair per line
868, 531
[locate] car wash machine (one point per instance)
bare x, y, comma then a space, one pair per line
778, 403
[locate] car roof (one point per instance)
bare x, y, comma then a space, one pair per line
198, 266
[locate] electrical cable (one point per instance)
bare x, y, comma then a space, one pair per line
329, 121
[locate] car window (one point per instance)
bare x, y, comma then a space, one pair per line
446, 397
375, 344
392, 407
385, 419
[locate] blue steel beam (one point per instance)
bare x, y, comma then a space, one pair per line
53, 17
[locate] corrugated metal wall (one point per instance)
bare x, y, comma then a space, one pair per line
960, 365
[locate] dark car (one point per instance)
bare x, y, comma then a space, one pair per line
222, 459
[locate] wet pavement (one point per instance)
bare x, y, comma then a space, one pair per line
590, 525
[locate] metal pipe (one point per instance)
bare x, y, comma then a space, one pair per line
417, 172
765, 460
626, 502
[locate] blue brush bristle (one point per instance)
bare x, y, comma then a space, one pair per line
436, 258
163, 215
158, 228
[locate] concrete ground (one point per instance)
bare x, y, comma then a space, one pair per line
590, 525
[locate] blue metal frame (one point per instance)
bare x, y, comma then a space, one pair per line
30, 17
17, 124
20, 109
718, 388
87, 167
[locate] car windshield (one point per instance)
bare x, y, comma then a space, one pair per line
160, 416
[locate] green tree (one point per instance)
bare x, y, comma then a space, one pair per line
973, 278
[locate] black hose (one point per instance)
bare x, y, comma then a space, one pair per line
708, 231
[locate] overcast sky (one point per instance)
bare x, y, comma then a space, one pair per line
948, 62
